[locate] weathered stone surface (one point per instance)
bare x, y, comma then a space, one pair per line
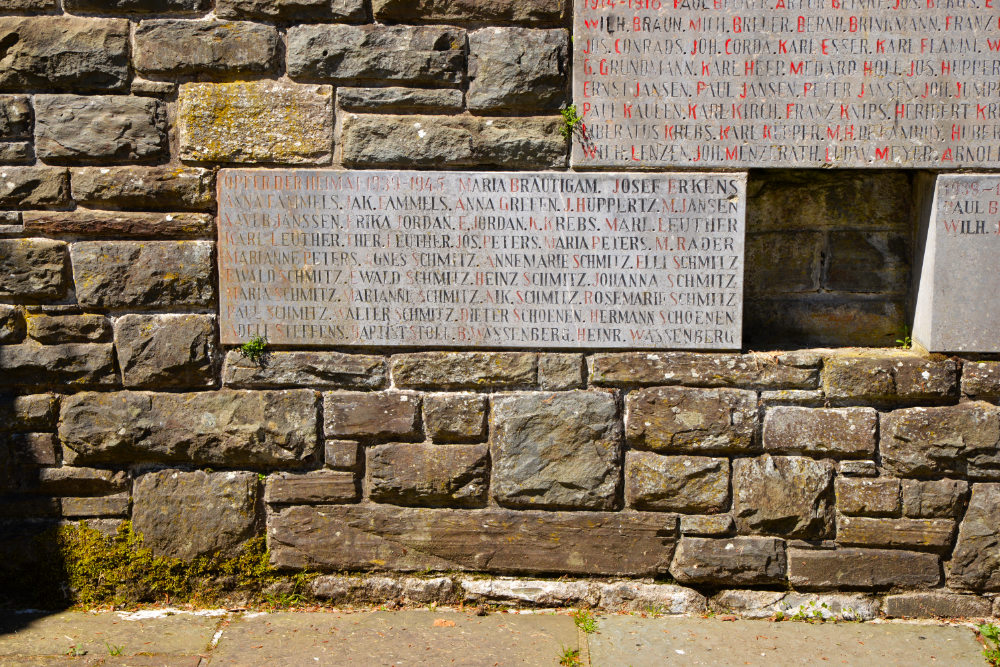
953, 440
32, 268
138, 6
428, 475
141, 86
517, 69
492, 540
798, 271
257, 429
30, 412
177, 351
29, 6
889, 378
455, 417
99, 128
944, 605
664, 598
377, 589
16, 152
292, 10
826, 319
929, 534
844, 569
834, 432
384, 140
380, 415
321, 370
120, 225
154, 274
73, 364
469, 10
145, 188
97, 506
689, 484
15, 117
171, 47
342, 454
708, 525
12, 326
394, 98
678, 419
768, 604
416, 54
975, 563
256, 121
867, 261
535, 592
863, 496
59, 53
34, 449
316, 486
559, 372
981, 380
558, 451
939, 498
791, 496
737, 561
51, 329
70, 481
752, 371
192, 514
465, 370
10, 223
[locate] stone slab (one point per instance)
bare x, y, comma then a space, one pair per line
482, 259
735, 83
958, 309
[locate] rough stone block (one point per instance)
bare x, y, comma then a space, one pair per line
316, 486
940, 498
176, 351
639, 597
342, 454
34, 449
52, 329
943, 605
981, 380
835, 432
952, 440
862, 496
145, 188
32, 268
844, 569
15, 117
517, 69
893, 378
153, 274
518, 11
975, 562
559, 451
791, 496
256, 121
256, 429
465, 370
736, 561
367, 415
29, 6
381, 140
70, 365
321, 370
119, 224
168, 47
138, 6
16, 152
866, 261
768, 604
825, 319
99, 128
292, 10
191, 514
689, 484
98, 506
858, 468
538, 593
352, 537
29, 412
12, 327
141, 86
923, 534
428, 475
559, 372
679, 419
394, 98
455, 417
60, 53
709, 525
415, 54
783, 262
70, 481
376, 590
751, 371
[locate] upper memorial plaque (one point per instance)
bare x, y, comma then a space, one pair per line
787, 83
465, 259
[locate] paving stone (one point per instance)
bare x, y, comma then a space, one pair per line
951, 440
191, 514
379, 589
340, 52
378, 415
465, 370
709, 525
342, 454
251, 122
862, 496
557, 451
702, 421
929, 534
120, 224
789, 605
77, 481
844, 569
292, 10
735, 561
455, 417
791, 496
169, 48
833, 432
52, 329
428, 475
395, 98
28, 412
975, 562
99, 128
255, 429
34, 187
756, 371
145, 188
138, 6
559, 372
517, 69
689, 484
320, 370
530, 592
981, 380
34, 449
69, 365
12, 327
469, 10
159, 351
938, 498
316, 486
889, 379
944, 605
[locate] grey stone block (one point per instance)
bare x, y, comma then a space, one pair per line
99, 128
176, 351
170, 48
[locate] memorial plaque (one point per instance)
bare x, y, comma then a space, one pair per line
488, 259
787, 83
958, 303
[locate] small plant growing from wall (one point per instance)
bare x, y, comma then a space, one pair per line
255, 349
571, 119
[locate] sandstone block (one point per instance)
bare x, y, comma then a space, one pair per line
943, 605
12, 327
141, 86
342, 454
99, 128
861, 496
922, 534
355, 537
145, 188
138, 6
29, 412
321, 370
382, 140
975, 562
825, 319
16, 152
689, 484
256, 429
558, 451
833, 432
256, 121
751, 371
169, 47
15, 117
73, 364
428, 475
316, 486
376, 590
191, 514
177, 351
51, 329
372, 415
120, 224
639, 597
736, 561
153, 274
538, 593
797, 269
709, 525
953, 440
395, 98
32, 268
559, 372
455, 417
292, 10
517, 68
858, 468
465, 370
679, 419
98, 506
29, 6
940, 498
469, 10
867, 261
70, 481
844, 569
416, 54
791, 496
981, 380
889, 378
60, 53
767, 604
34, 449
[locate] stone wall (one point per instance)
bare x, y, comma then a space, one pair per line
811, 469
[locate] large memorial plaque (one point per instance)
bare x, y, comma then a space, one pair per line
958, 303
465, 259
787, 83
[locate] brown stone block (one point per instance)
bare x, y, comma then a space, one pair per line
12, 326
170, 48
94, 506
893, 377
292, 10
517, 69
679, 419
320, 370
394, 98
33, 268
951, 440
159, 351
981, 380
69, 365
342, 454
518, 11
843, 569
34, 187
378, 415
138, 6
862, 496
832, 320
734, 561
939, 498
835, 432
689, 484
30, 412
865, 261
791, 496
52, 329
783, 262
455, 417
99, 128
317, 486
428, 475
465, 370
34, 449
82, 482
975, 562
145, 188
929, 534
938, 604
756, 371
120, 225
559, 372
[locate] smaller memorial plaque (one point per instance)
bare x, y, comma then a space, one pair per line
958, 303
489, 259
